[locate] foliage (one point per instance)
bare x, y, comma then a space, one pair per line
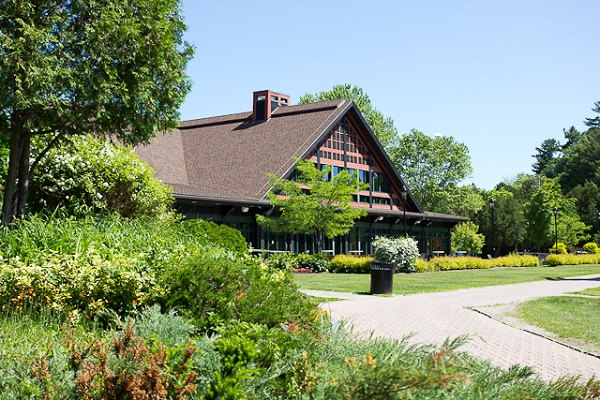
302, 261
323, 210
559, 248
465, 237
423, 266
80, 67
460, 263
594, 122
540, 212
216, 287
96, 175
93, 265
154, 242
350, 264
580, 162
403, 252
572, 259
132, 368
433, 168
546, 158
591, 248
82, 283
383, 127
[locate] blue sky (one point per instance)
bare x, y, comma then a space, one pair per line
498, 76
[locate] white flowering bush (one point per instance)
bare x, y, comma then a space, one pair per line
96, 174
403, 252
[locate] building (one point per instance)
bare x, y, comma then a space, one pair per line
218, 170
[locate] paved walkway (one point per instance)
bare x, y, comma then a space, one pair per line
434, 317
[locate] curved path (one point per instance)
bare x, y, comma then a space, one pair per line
434, 317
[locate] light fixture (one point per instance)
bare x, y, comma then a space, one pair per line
380, 218
245, 209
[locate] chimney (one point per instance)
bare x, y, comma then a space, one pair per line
265, 102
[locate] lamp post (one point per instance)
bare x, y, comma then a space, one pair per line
527, 233
492, 206
403, 190
555, 231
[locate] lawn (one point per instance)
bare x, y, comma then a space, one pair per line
442, 281
565, 316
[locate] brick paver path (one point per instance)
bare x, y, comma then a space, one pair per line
434, 317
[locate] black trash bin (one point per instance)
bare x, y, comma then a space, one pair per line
382, 277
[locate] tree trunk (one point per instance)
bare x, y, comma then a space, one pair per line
12, 196
318, 238
23, 184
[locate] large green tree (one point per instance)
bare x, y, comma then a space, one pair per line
316, 204
540, 213
382, 126
86, 66
433, 168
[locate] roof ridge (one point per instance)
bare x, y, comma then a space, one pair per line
279, 112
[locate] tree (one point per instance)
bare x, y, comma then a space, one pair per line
86, 66
466, 238
95, 174
594, 122
581, 161
432, 167
317, 204
546, 158
383, 127
540, 215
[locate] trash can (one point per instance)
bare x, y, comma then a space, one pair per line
382, 277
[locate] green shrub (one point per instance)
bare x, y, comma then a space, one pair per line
76, 283
591, 248
97, 174
459, 263
304, 261
217, 235
423, 266
217, 287
515, 261
562, 248
572, 259
350, 264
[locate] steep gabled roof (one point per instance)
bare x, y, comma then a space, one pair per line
229, 156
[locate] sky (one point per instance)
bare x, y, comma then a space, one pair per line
498, 76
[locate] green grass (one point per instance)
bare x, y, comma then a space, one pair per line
442, 281
591, 292
565, 316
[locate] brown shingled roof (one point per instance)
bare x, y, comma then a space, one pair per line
229, 156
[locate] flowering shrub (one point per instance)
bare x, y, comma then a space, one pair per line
401, 251
97, 174
76, 284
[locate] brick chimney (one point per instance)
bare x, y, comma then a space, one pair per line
265, 102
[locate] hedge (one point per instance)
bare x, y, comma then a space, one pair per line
572, 259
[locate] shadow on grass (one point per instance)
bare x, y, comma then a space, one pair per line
595, 279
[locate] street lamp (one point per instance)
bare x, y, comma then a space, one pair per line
527, 233
492, 206
403, 190
555, 231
